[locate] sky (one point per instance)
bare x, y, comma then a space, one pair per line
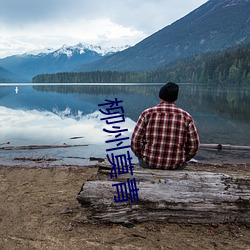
32, 25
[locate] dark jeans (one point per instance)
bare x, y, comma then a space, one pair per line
145, 165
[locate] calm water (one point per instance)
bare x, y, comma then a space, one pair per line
59, 114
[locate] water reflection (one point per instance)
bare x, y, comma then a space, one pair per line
51, 114
33, 127
227, 101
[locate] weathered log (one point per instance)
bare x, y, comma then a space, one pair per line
169, 196
224, 147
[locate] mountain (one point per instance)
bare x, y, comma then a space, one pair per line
230, 66
63, 59
7, 76
214, 26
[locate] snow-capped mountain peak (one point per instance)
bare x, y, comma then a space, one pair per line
65, 59
81, 48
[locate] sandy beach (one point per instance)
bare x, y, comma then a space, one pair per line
39, 210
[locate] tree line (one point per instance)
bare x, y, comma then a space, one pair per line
231, 66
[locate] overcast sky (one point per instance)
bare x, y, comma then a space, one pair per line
27, 25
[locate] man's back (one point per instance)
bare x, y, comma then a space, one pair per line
165, 136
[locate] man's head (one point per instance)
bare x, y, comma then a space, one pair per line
169, 92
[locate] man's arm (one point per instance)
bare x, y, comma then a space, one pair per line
138, 136
193, 141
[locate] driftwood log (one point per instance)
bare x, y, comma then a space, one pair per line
185, 196
224, 147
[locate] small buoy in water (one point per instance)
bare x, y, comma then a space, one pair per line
16, 90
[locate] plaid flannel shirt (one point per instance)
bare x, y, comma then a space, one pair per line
165, 136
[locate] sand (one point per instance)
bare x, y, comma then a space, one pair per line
39, 210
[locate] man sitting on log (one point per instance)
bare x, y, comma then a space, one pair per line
165, 136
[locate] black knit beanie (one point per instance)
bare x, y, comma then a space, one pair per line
169, 92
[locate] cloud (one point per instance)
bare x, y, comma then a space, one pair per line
142, 14
37, 23
22, 12
38, 36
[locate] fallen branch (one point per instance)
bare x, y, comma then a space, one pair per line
76, 137
41, 159
29, 147
5, 143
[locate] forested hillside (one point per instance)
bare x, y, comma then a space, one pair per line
214, 26
231, 66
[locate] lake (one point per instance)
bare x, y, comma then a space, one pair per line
60, 114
